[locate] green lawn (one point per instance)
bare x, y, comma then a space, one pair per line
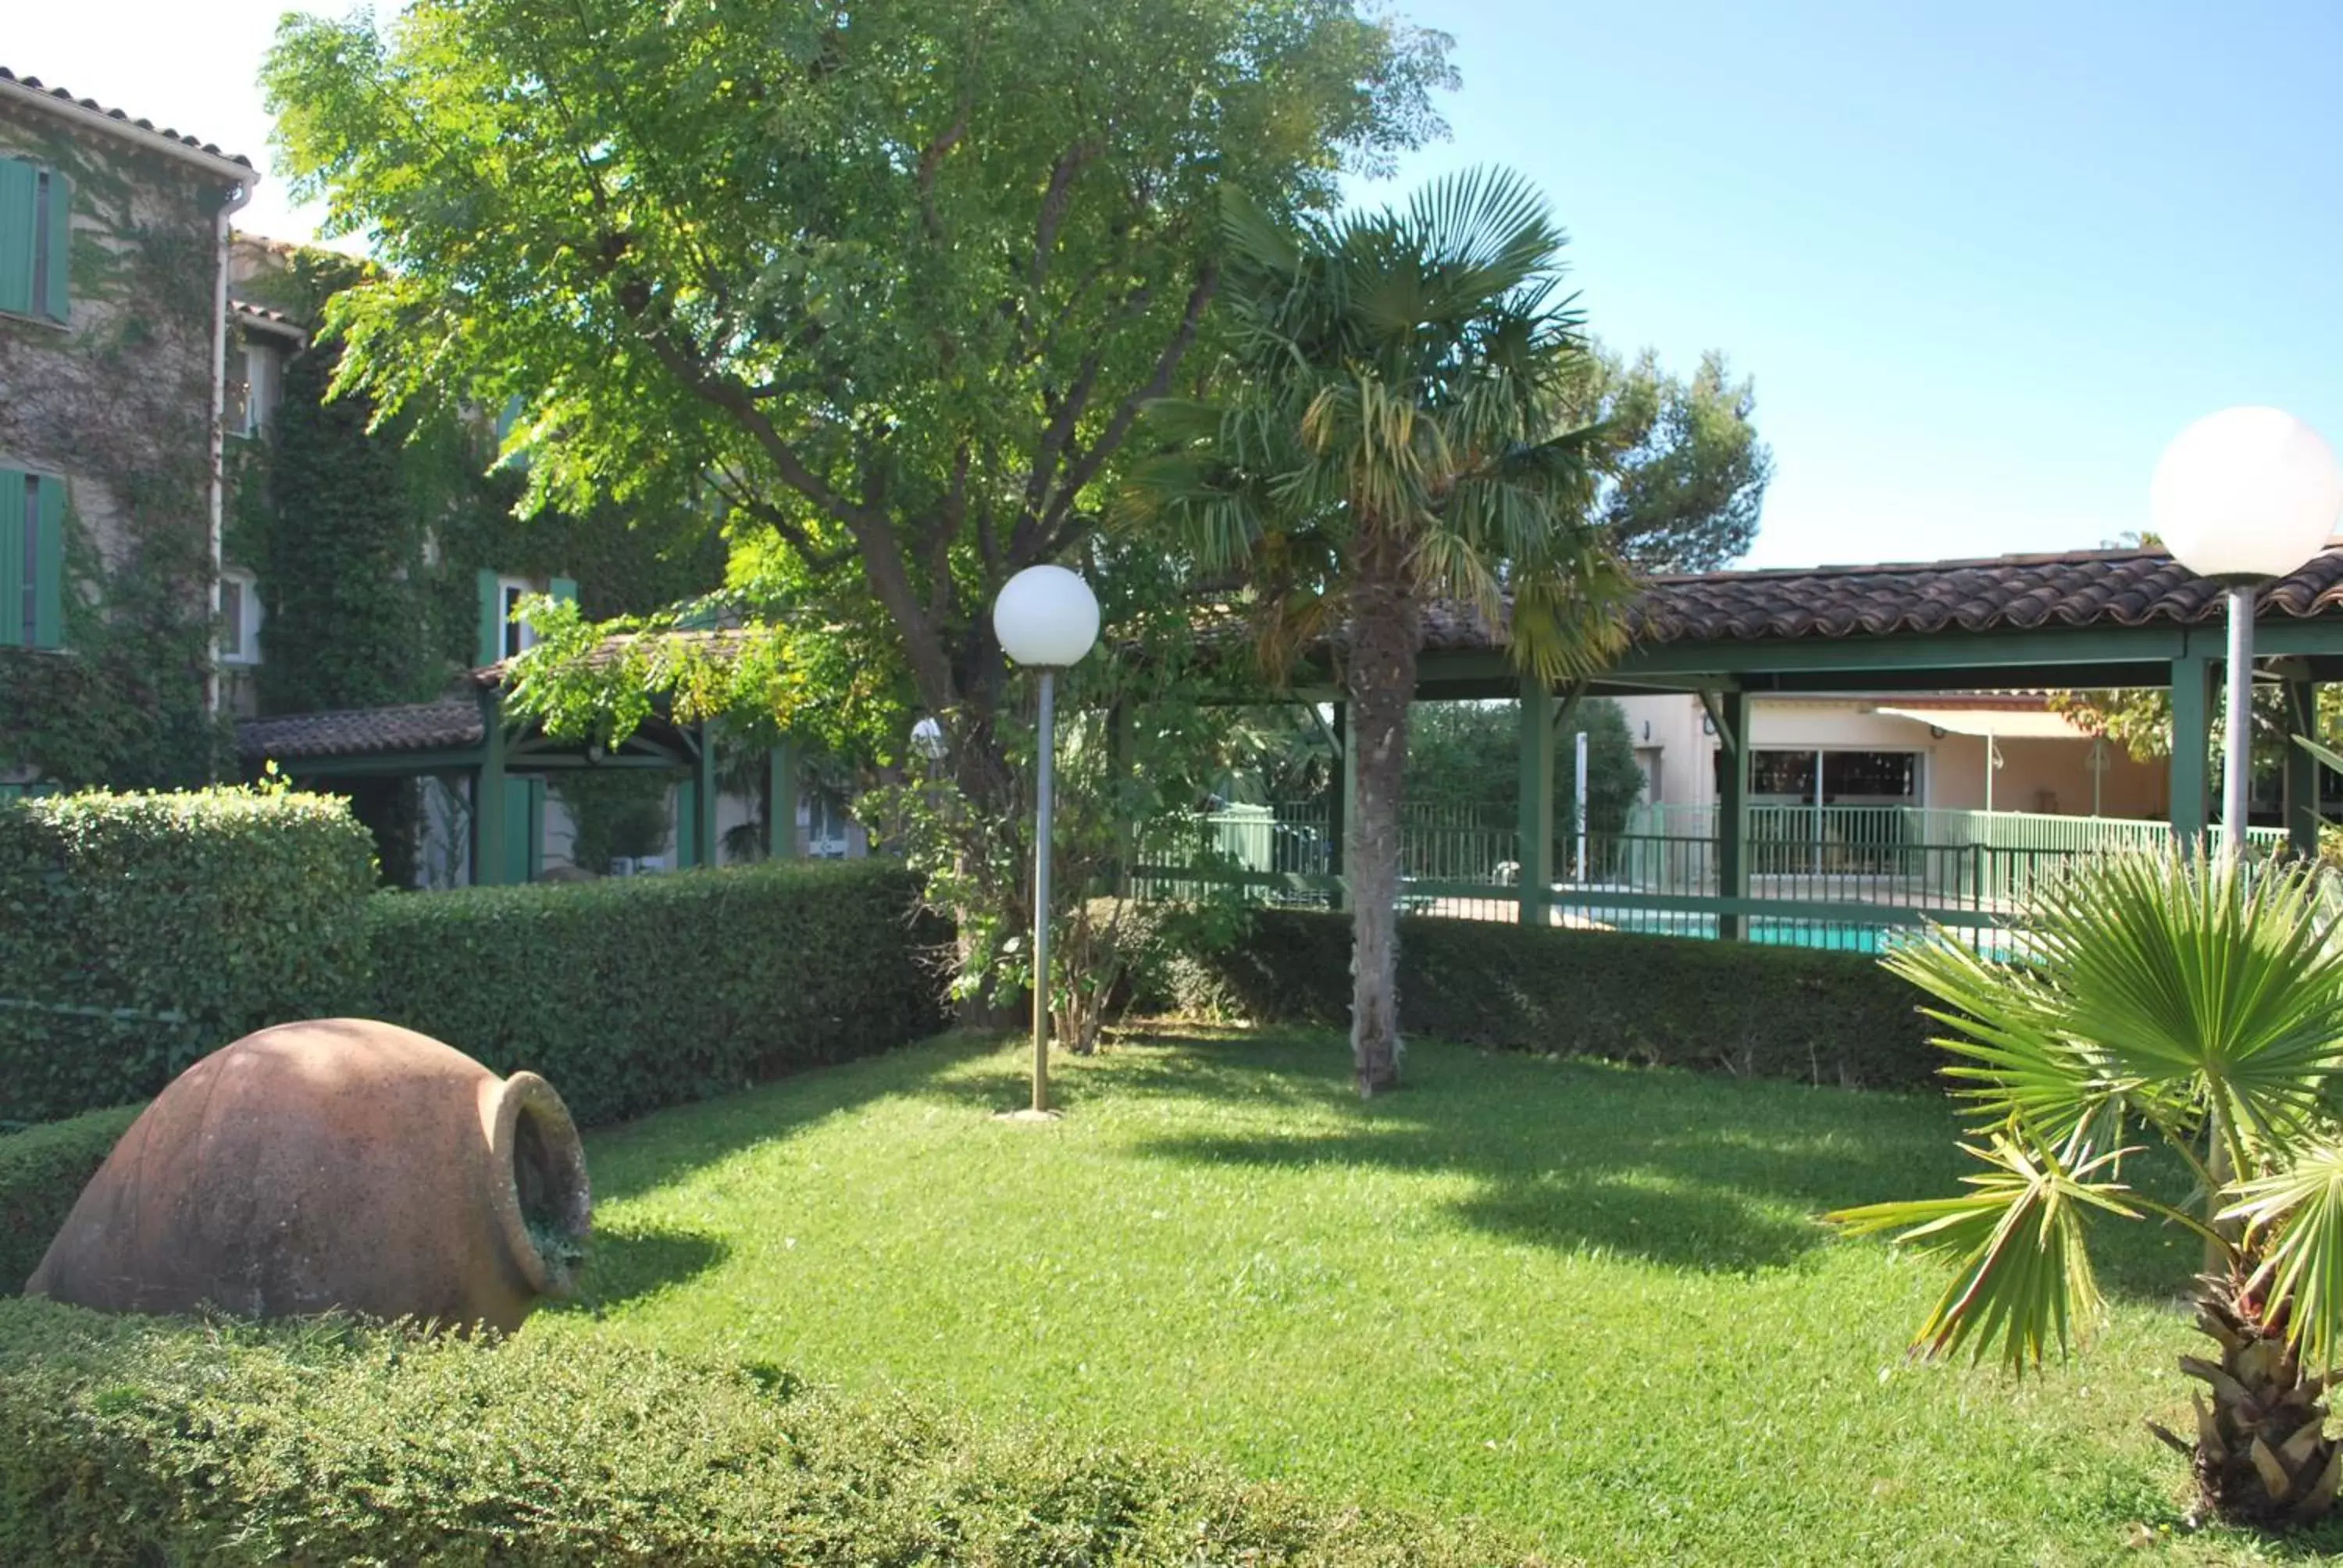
1589, 1303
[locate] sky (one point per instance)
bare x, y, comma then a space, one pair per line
1983, 259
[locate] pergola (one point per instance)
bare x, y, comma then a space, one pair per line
2096, 620
503, 764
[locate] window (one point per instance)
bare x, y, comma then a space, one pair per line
32, 559
251, 403
36, 240
239, 640
502, 636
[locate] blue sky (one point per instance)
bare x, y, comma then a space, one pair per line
1983, 259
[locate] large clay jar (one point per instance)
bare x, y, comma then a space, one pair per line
337, 1163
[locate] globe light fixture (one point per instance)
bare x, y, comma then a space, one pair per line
1046, 618
2240, 497
928, 740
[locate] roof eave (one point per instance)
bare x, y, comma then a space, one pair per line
226, 169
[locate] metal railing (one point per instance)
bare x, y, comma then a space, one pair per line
1828, 876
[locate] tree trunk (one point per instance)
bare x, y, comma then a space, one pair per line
1386, 632
2262, 1455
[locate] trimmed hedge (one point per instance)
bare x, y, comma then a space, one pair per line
42, 1171
137, 1441
1740, 1006
139, 931
640, 992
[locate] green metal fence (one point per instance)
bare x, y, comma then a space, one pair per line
1828, 876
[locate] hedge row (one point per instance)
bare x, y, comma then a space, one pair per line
139, 931
137, 1441
42, 1170
640, 992
1741, 1007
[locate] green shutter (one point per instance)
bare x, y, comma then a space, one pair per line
492, 619
563, 590
11, 558
48, 565
56, 306
19, 206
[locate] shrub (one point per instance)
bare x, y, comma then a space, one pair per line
641, 992
42, 1170
139, 931
1771, 1011
135, 1440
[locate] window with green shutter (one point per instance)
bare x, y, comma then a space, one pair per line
32, 559
36, 240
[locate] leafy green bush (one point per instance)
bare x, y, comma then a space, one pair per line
1769, 1011
641, 992
42, 1170
139, 931
137, 1441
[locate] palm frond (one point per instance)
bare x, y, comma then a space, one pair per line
2302, 1209
2025, 1277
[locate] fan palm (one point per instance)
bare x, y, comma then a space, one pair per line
1394, 441
2191, 1001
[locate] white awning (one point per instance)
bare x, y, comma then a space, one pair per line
2001, 723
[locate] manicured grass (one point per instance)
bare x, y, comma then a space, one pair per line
1591, 1304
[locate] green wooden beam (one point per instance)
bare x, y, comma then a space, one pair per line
414, 764
782, 800
1534, 801
2192, 743
488, 796
703, 799
1730, 712
2301, 768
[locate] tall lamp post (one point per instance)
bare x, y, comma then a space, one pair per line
2244, 496
1046, 618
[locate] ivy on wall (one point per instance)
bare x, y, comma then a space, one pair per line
121, 405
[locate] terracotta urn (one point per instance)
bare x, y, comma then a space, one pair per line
335, 1164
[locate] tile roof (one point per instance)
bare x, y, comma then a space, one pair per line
94, 107
412, 727
262, 316
2007, 593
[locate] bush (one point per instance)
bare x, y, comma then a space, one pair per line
641, 992
136, 1440
1769, 1011
139, 931
42, 1170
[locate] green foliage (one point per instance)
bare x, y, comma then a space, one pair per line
139, 931
1743, 1008
134, 1440
618, 813
1469, 753
1682, 471
643, 991
42, 1171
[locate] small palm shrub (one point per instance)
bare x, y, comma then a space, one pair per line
2171, 998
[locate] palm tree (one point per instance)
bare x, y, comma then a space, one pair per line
1392, 443
2184, 998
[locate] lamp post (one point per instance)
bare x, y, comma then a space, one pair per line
1046, 620
2243, 496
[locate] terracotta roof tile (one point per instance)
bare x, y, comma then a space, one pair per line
2098, 587
414, 727
34, 84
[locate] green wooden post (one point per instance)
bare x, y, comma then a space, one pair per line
1534, 805
2301, 768
1729, 712
781, 801
488, 807
703, 799
1122, 732
1343, 789
2192, 741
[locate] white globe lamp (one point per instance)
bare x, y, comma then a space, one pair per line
1046, 620
928, 740
2242, 497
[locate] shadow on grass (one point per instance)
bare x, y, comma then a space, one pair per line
629, 1260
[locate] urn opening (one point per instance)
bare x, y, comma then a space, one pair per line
544, 1201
